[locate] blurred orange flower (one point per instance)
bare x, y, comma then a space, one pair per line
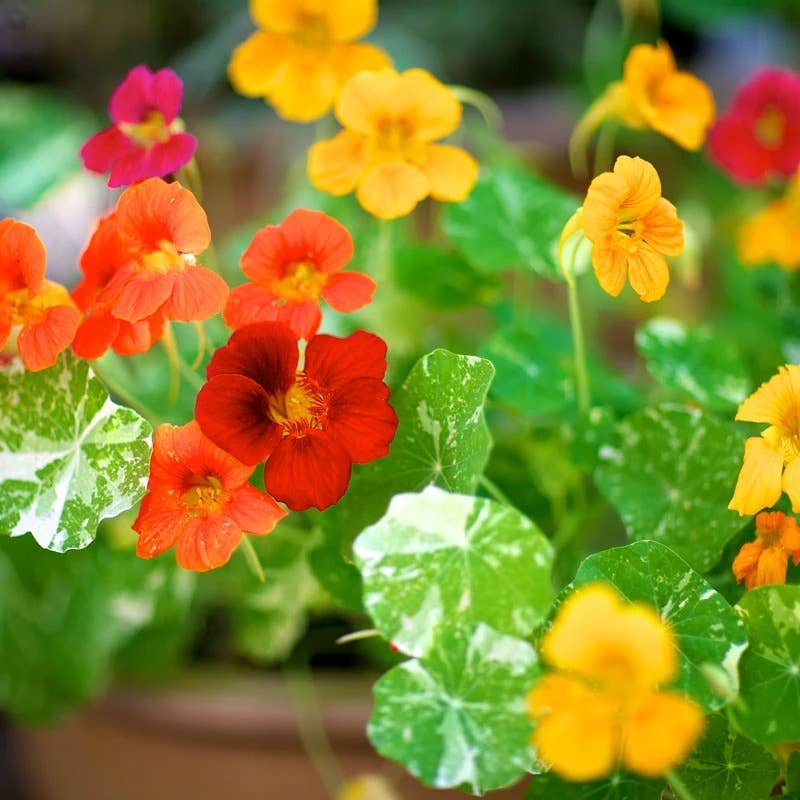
763, 478
631, 228
386, 152
304, 53
765, 560
602, 706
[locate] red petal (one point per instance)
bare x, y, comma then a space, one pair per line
130, 167
142, 295
266, 258
266, 353
95, 333
253, 511
349, 291
103, 149
361, 419
249, 304
168, 94
168, 157
303, 318
134, 97
40, 344
313, 470
332, 361
198, 293
207, 543
158, 524
317, 238
232, 411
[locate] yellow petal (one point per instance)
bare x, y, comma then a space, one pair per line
335, 166
576, 731
791, 484
759, 483
682, 110
660, 730
354, 58
645, 66
643, 186
451, 172
436, 110
648, 273
305, 85
605, 195
662, 229
366, 99
610, 266
756, 241
776, 402
255, 62
392, 189
367, 787
339, 21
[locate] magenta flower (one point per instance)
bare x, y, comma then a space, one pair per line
147, 138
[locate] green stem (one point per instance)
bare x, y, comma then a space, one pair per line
679, 788
482, 103
252, 558
123, 394
494, 491
576, 323
604, 149
357, 636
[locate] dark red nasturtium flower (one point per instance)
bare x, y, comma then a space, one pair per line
759, 135
311, 421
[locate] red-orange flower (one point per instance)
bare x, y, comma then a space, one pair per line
35, 314
199, 499
765, 560
292, 266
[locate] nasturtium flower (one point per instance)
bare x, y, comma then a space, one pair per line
292, 266
146, 139
37, 317
772, 460
759, 136
653, 94
603, 706
311, 421
631, 228
387, 152
199, 499
766, 560
304, 53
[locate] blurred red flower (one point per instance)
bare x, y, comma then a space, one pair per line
311, 422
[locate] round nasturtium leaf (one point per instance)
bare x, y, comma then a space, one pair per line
69, 457
710, 635
456, 718
769, 672
671, 479
727, 765
620, 786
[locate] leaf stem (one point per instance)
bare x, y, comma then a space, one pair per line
678, 787
357, 636
576, 323
494, 491
252, 558
113, 387
482, 103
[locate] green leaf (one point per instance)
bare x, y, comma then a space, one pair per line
442, 439
441, 277
711, 637
436, 557
711, 13
694, 363
332, 568
511, 219
69, 457
769, 671
793, 772
457, 717
671, 480
64, 616
620, 786
727, 765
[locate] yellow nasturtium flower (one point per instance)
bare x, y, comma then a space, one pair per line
772, 460
387, 152
602, 704
653, 94
304, 53
631, 228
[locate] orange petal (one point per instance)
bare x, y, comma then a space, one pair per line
759, 483
207, 543
306, 84
776, 402
197, 294
337, 165
746, 562
344, 20
682, 110
42, 342
662, 229
771, 567
254, 512
648, 273
660, 730
22, 257
451, 172
256, 62
159, 523
610, 267
643, 186
392, 189
605, 195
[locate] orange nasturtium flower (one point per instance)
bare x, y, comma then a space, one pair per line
602, 705
771, 461
654, 94
766, 560
199, 499
631, 228
304, 53
37, 317
386, 154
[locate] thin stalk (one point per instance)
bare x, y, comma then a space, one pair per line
576, 323
679, 788
494, 491
123, 394
252, 558
357, 636
482, 103
604, 149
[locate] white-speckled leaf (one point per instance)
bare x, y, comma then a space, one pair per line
620, 786
437, 557
69, 457
457, 717
711, 637
770, 669
671, 480
727, 766
694, 363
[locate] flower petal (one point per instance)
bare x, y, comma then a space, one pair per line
248, 304
23, 257
791, 484
682, 109
610, 267
167, 157
360, 57
134, 97
254, 512
167, 94
305, 85
96, 332
745, 564
333, 362
662, 229
436, 110
137, 337
100, 151
648, 273
392, 189
451, 172
143, 295
772, 567
207, 543
253, 67
336, 166
41, 343
759, 483
159, 524
349, 291
197, 294
130, 167
643, 186
317, 238
777, 401
303, 318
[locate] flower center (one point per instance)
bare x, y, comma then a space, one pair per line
165, 259
312, 29
23, 307
205, 497
769, 128
302, 281
150, 131
791, 447
394, 135
299, 409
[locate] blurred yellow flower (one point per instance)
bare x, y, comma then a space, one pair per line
602, 706
304, 53
367, 787
631, 228
771, 461
386, 152
654, 94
